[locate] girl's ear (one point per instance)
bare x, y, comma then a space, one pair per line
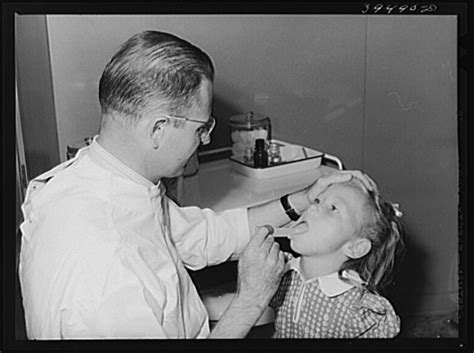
357, 248
156, 131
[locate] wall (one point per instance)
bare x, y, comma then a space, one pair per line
410, 147
376, 91
36, 94
285, 66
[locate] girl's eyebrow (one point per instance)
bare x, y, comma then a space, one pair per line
339, 200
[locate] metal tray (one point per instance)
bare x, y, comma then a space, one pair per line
295, 159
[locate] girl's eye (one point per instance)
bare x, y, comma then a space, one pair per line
317, 201
334, 208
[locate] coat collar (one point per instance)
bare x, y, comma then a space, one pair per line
109, 161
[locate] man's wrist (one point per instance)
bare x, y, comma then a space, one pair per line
299, 201
247, 304
237, 320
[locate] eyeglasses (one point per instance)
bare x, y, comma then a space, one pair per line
204, 131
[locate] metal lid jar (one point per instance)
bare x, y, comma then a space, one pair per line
245, 129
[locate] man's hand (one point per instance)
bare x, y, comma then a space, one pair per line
260, 269
339, 177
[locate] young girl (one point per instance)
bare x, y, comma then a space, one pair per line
348, 240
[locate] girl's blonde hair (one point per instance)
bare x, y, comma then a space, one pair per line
384, 230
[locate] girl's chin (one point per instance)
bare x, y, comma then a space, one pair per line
296, 247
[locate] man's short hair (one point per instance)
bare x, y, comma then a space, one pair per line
151, 69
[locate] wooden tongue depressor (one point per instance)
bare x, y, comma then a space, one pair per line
286, 232
283, 232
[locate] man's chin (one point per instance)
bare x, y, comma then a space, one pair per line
178, 173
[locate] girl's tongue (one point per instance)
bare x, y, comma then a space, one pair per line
299, 228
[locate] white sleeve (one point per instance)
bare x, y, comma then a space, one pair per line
204, 237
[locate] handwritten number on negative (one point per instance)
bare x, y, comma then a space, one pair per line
389, 9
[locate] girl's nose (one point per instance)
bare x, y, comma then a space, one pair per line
313, 208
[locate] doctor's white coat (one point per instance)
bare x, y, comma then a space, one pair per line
104, 253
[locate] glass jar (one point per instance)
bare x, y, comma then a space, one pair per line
274, 154
246, 128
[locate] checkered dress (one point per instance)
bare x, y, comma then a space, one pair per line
302, 310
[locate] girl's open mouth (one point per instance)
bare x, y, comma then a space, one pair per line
299, 228
287, 232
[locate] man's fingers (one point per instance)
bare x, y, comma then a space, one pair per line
268, 243
275, 250
262, 233
368, 183
372, 183
336, 178
323, 183
340, 177
270, 228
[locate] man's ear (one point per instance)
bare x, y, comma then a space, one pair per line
156, 130
356, 248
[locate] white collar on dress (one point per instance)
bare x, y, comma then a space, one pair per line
331, 285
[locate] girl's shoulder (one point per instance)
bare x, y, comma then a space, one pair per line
372, 301
372, 315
